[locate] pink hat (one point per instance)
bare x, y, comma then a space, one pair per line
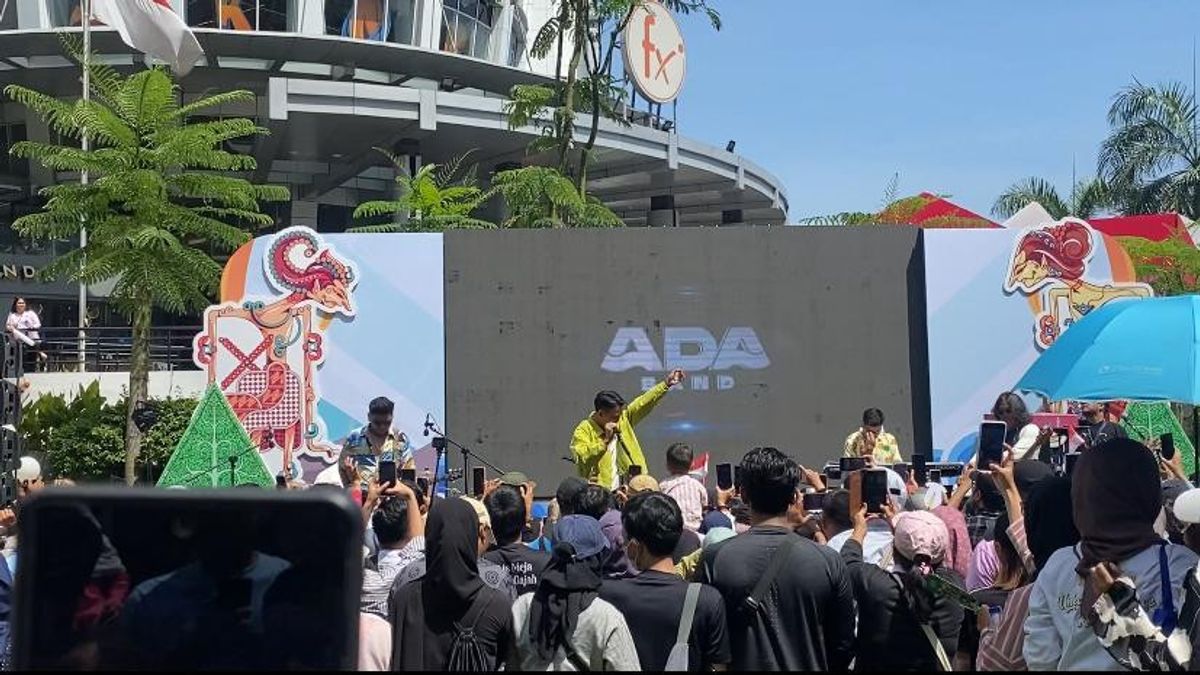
920, 533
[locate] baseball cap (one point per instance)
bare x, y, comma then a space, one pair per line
514, 478
540, 510
29, 469
1187, 506
583, 533
643, 483
920, 533
480, 510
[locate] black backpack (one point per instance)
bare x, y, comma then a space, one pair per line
467, 653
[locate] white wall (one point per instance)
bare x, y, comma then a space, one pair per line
163, 384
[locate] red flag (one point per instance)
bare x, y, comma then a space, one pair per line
151, 26
700, 468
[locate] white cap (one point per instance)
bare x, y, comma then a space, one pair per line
29, 469
1187, 506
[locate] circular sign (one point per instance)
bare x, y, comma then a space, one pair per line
653, 53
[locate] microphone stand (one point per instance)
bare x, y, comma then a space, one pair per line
232, 468
467, 454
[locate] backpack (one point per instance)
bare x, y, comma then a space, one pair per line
467, 654
678, 658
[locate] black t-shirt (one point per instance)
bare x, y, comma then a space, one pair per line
652, 603
523, 564
807, 617
1095, 433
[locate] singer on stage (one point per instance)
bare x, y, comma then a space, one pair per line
604, 444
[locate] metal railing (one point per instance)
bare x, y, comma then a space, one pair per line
108, 349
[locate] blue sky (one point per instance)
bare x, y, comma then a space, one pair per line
961, 98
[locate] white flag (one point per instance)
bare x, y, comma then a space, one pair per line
152, 27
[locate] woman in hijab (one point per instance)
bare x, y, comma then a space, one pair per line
1116, 498
451, 615
905, 621
564, 624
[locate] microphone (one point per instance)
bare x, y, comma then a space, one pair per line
428, 423
567, 459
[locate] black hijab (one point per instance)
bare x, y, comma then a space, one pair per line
566, 587
1115, 497
1049, 525
452, 555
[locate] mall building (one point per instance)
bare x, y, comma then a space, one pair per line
426, 79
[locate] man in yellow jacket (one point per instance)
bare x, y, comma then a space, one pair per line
604, 444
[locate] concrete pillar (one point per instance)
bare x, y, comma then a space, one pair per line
662, 212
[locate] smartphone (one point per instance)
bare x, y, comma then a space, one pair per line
1071, 457
991, 443
737, 475
848, 464
423, 485
409, 475
1167, 447
302, 590
814, 501
387, 472
853, 482
920, 473
635, 470
725, 476
935, 476
874, 489
478, 478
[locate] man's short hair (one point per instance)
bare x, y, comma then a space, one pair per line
679, 457
506, 509
836, 510
609, 400
872, 417
567, 494
390, 521
769, 480
381, 406
654, 520
593, 501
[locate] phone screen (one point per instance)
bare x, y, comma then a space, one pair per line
387, 472
478, 477
276, 574
920, 474
935, 476
874, 489
1167, 447
737, 475
725, 476
991, 444
409, 475
814, 501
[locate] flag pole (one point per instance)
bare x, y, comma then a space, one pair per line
86, 12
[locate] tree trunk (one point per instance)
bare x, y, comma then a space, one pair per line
567, 110
139, 384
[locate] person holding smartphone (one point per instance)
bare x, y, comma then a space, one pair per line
366, 446
604, 445
1095, 427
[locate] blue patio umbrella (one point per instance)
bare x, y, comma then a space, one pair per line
1145, 349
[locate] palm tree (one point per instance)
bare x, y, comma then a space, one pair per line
164, 195
539, 196
435, 198
1090, 197
1151, 158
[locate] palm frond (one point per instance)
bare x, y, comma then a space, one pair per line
1032, 189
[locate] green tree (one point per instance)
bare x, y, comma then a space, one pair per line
1090, 197
539, 196
437, 197
163, 196
591, 30
1151, 158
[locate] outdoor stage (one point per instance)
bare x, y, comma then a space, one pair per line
504, 336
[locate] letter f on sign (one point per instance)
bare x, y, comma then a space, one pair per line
648, 47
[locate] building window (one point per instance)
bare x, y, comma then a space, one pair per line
467, 27
362, 19
8, 14
244, 15
516, 42
62, 12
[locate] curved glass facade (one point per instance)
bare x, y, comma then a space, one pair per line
378, 20
467, 27
517, 45
243, 15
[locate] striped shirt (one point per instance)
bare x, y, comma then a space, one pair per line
1000, 645
691, 497
377, 578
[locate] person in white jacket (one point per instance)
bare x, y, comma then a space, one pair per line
1116, 498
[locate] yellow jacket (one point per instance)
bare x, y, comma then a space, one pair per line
594, 461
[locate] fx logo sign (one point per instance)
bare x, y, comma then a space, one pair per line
654, 54
693, 349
